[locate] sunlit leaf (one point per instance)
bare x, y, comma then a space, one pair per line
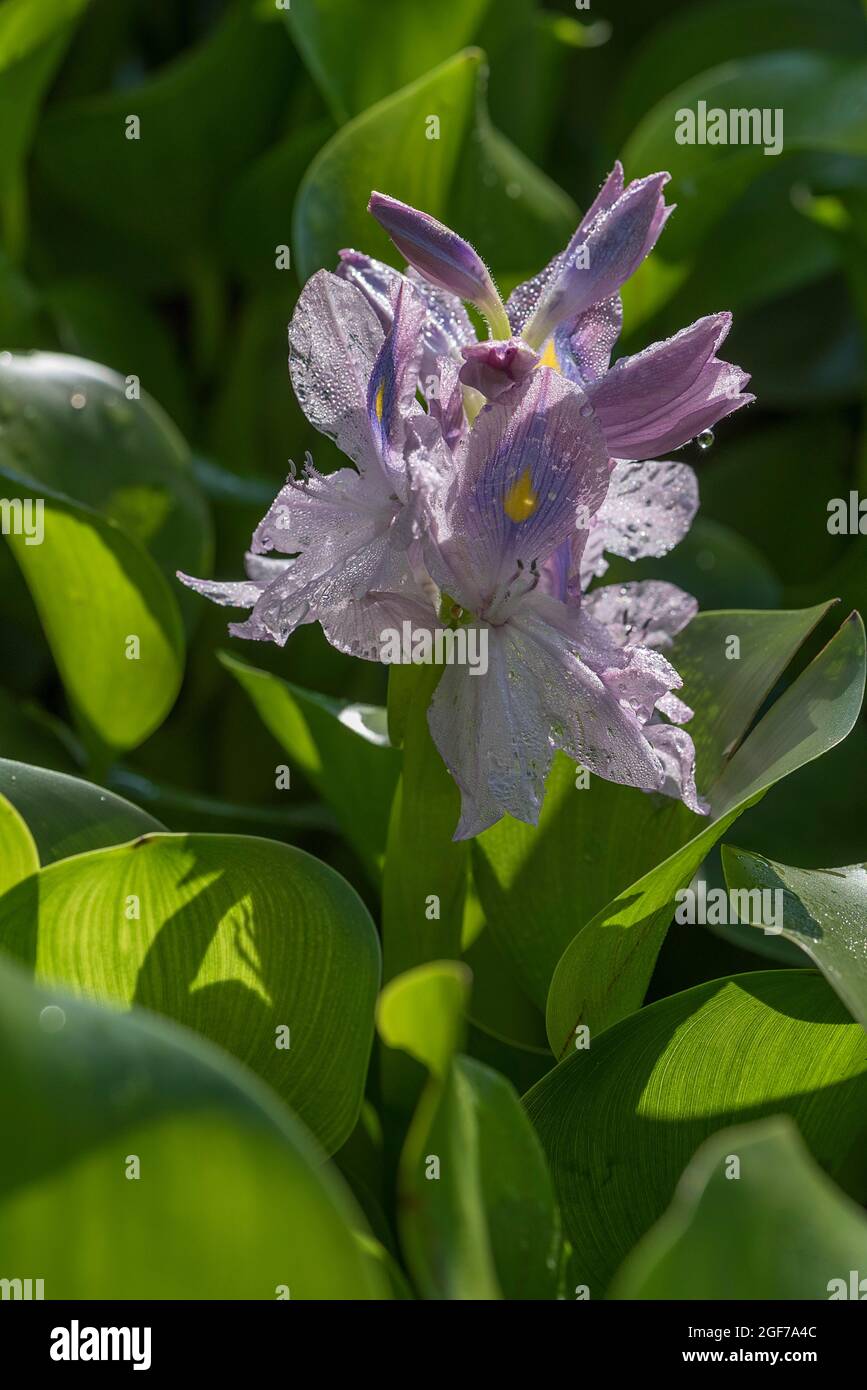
774, 1228
824, 911
604, 972
86, 1092
253, 944
621, 1119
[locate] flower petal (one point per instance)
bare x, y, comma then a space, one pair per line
447, 327
584, 347
676, 752
650, 611
648, 510
361, 627
496, 732
334, 339
342, 525
606, 249
664, 396
446, 403
393, 381
524, 299
492, 367
436, 251
239, 593
533, 457
228, 593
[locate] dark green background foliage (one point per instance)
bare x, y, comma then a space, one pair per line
261, 131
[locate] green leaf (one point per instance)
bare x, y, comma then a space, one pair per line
240, 939
592, 843
485, 1225
84, 1090
94, 588
521, 221
18, 855
423, 893
397, 38
422, 1013
604, 972
384, 148
819, 94
621, 1119
145, 207
777, 1230
342, 749
33, 39
692, 40
824, 911
69, 424
66, 815
499, 1005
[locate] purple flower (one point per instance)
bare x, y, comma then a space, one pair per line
569, 317
556, 678
611, 241
440, 255
500, 513
349, 533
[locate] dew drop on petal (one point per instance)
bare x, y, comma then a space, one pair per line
705, 439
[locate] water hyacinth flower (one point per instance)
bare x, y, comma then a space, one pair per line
569, 317
557, 678
488, 482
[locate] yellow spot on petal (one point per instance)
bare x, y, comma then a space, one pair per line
377, 405
549, 357
521, 501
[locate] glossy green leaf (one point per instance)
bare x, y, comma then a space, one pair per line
18, 855
95, 588
539, 887
67, 815
525, 218
341, 747
231, 1200
621, 1119
534, 59
20, 308
70, 424
775, 1229
400, 40
604, 972
251, 943
384, 148
824, 911
477, 1213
